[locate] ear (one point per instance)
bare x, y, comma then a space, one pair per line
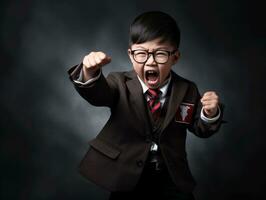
176, 57
130, 55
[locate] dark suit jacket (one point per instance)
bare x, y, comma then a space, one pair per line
117, 155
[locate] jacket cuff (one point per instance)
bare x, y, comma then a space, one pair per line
79, 79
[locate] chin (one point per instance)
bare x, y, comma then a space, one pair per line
155, 86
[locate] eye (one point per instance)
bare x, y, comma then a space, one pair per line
161, 53
140, 53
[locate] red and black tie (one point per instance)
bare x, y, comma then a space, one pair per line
154, 102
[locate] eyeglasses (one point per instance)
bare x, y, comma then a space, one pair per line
159, 56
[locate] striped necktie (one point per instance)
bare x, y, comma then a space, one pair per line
154, 102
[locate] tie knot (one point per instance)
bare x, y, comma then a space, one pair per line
153, 93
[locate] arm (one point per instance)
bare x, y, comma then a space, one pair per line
90, 82
208, 115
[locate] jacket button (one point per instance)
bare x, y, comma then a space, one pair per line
139, 163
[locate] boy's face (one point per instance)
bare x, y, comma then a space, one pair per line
152, 73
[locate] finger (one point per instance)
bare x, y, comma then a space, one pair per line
213, 101
97, 59
208, 93
101, 55
86, 62
209, 98
214, 104
210, 101
206, 98
92, 61
103, 58
209, 108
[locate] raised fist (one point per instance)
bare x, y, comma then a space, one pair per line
93, 62
210, 101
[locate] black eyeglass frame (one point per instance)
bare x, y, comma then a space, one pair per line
153, 55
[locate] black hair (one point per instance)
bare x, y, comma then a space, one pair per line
154, 24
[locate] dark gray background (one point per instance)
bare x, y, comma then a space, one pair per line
45, 124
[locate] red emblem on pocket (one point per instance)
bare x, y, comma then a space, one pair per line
184, 113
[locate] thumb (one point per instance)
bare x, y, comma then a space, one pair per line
106, 60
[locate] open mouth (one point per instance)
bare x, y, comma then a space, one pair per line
152, 77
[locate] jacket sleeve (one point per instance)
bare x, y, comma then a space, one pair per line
101, 92
199, 127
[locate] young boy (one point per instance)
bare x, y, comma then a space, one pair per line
140, 152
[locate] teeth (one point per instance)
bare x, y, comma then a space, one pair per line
151, 72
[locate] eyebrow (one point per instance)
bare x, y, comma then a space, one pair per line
159, 48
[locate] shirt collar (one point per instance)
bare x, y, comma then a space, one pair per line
163, 89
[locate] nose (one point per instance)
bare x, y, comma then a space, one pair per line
150, 60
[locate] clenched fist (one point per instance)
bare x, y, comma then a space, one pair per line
92, 63
210, 101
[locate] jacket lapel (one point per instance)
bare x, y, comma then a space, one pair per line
136, 98
138, 105
178, 91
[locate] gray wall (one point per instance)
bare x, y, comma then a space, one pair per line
45, 124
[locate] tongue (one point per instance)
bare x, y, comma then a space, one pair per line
151, 77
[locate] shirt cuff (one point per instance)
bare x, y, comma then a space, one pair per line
79, 80
210, 120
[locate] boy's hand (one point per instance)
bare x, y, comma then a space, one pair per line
210, 101
93, 62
